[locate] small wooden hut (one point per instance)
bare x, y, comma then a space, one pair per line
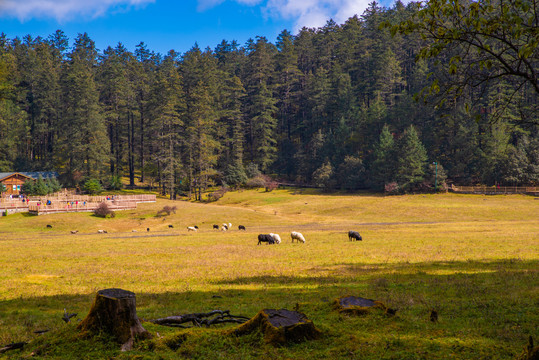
13, 180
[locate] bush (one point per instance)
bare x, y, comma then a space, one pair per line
256, 182
167, 210
391, 188
252, 171
103, 211
40, 187
216, 195
322, 177
235, 174
28, 187
115, 182
53, 185
271, 185
92, 187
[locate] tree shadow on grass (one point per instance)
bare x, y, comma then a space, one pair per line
486, 310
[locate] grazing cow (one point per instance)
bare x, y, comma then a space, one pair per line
216, 226
49, 226
74, 231
265, 238
147, 229
297, 236
192, 228
241, 227
101, 231
230, 225
354, 235
170, 226
224, 228
276, 238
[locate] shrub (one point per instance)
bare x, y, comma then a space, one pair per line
115, 182
235, 174
216, 195
28, 187
92, 187
322, 177
271, 185
40, 187
256, 182
391, 188
252, 171
53, 185
103, 211
167, 210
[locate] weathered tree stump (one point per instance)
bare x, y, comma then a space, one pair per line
353, 305
531, 352
280, 326
114, 312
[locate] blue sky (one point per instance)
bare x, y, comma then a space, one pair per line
169, 24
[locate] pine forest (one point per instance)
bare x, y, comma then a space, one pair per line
386, 101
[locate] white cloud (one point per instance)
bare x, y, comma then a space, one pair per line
63, 9
315, 13
309, 13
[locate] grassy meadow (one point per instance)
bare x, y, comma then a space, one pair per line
474, 259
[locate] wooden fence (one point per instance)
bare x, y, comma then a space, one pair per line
43, 209
89, 198
493, 190
65, 202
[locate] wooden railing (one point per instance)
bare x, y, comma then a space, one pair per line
80, 207
496, 189
90, 198
12, 204
74, 203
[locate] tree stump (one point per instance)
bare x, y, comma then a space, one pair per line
353, 305
280, 326
114, 312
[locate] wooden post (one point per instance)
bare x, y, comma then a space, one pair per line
114, 312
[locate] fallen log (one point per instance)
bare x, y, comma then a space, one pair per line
280, 326
201, 319
114, 312
12, 346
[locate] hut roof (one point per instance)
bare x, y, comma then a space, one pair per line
30, 174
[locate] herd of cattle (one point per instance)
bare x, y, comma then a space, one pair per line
267, 238
273, 238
